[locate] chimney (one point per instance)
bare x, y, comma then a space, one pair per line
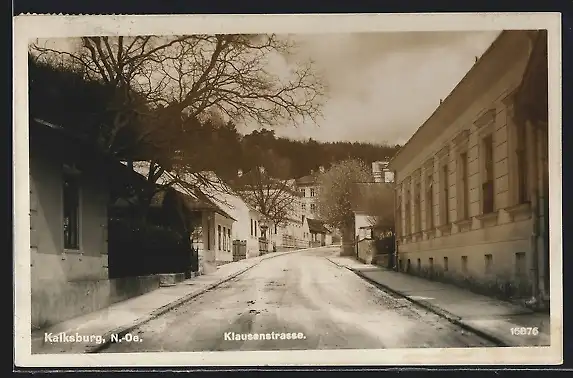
262, 169
240, 173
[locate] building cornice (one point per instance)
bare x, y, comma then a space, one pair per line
429, 164
461, 140
509, 47
444, 152
485, 118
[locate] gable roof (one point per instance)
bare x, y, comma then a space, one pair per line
317, 226
248, 180
194, 198
308, 179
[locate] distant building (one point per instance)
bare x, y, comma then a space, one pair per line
319, 234
381, 173
309, 187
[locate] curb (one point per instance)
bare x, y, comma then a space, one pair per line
434, 309
122, 330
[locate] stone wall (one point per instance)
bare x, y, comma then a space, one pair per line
55, 301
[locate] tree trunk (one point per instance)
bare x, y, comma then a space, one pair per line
348, 248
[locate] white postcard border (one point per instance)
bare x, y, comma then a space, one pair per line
28, 27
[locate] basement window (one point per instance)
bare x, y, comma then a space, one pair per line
464, 264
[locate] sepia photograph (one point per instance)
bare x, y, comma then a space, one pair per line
377, 190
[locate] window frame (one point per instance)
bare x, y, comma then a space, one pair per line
517, 139
486, 127
75, 174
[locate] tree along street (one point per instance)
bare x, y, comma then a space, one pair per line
296, 301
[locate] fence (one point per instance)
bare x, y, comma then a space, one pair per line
289, 241
239, 250
263, 246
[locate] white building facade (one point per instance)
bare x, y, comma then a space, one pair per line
465, 181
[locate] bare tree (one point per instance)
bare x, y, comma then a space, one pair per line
160, 85
275, 198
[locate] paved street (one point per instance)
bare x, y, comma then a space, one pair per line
301, 293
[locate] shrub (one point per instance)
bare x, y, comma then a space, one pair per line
502, 286
137, 248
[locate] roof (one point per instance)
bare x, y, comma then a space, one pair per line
364, 195
194, 198
532, 93
247, 180
307, 180
468, 84
42, 128
317, 226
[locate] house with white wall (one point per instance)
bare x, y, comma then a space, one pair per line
472, 182
70, 185
248, 225
282, 200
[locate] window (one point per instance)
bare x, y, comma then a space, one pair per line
446, 267
228, 239
312, 192
71, 202
431, 261
275, 229
208, 235
445, 196
313, 207
302, 192
252, 233
429, 203
408, 215
488, 264
464, 264
463, 195
418, 208
303, 205
521, 158
219, 237
302, 219
419, 265
224, 238
399, 213
256, 229
408, 266
488, 177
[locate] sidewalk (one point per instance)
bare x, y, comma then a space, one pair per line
122, 317
488, 317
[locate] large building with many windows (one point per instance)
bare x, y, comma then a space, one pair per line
472, 182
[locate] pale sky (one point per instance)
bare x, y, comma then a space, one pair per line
383, 86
